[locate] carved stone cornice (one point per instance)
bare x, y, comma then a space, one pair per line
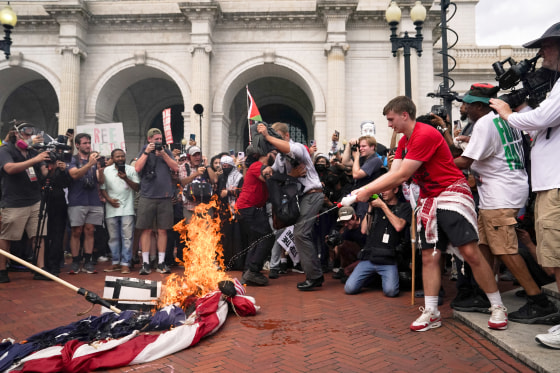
336, 8
209, 11
69, 13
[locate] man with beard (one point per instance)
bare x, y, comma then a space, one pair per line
366, 165
121, 181
85, 209
251, 205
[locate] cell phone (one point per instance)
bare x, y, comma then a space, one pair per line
336, 133
102, 162
121, 168
312, 142
193, 136
70, 131
241, 155
231, 152
458, 124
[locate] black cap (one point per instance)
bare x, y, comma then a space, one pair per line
552, 32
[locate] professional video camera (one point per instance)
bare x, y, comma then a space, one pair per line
58, 149
334, 238
440, 111
536, 83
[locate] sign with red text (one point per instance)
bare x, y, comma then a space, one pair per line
104, 137
166, 114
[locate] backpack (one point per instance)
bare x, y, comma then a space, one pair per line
283, 191
199, 190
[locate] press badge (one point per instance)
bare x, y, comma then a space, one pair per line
385, 237
31, 174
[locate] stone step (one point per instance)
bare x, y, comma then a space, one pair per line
518, 339
551, 290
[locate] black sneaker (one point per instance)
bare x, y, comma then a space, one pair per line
4, 277
163, 268
254, 278
297, 268
145, 270
532, 313
40, 277
471, 303
283, 268
273, 273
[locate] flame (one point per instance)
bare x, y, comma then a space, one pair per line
202, 258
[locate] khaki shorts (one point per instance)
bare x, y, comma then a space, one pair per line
154, 213
81, 215
17, 219
547, 227
496, 229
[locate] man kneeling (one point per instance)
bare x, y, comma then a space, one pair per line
385, 225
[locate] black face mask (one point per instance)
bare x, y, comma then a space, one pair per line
320, 167
227, 171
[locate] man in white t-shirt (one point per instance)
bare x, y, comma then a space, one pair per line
120, 183
495, 157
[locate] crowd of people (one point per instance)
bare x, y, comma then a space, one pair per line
459, 191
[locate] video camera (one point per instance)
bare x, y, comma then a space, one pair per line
440, 111
58, 149
536, 83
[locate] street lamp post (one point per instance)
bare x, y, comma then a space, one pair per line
8, 19
393, 17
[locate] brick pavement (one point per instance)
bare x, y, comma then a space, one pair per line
294, 331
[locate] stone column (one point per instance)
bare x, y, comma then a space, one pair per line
201, 94
69, 88
336, 88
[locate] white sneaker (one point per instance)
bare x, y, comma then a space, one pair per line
428, 320
552, 339
498, 319
103, 258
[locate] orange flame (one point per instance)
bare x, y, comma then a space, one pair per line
202, 258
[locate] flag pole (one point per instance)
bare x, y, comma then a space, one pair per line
248, 119
90, 296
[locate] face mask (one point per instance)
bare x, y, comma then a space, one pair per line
227, 171
22, 144
320, 167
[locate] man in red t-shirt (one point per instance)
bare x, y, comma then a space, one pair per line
446, 209
251, 205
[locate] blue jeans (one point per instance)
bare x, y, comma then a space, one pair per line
121, 234
363, 272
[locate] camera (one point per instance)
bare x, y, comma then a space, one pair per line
334, 238
102, 162
57, 149
158, 146
354, 147
440, 111
88, 183
536, 83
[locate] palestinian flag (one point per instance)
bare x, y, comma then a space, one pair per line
253, 112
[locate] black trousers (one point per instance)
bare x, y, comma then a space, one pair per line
254, 225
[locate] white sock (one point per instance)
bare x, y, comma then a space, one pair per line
161, 257
495, 298
431, 303
146, 257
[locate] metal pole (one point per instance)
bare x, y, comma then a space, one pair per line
407, 78
445, 89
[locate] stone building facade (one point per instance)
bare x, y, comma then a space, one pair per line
320, 65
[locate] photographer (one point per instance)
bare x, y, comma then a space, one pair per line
85, 209
155, 208
310, 203
21, 171
543, 124
346, 242
366, 165
385, 225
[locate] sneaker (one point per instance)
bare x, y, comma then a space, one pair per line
427, 321
552, 339
125, 270
532, 313
145, 270
273, 274
103, 258
297, 268
337, 273
74, 268
467, 301
40, 277
4, 277
254, 278
499, 318
89, 267
113, 268
163, 268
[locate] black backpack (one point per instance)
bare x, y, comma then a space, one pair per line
283, 191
